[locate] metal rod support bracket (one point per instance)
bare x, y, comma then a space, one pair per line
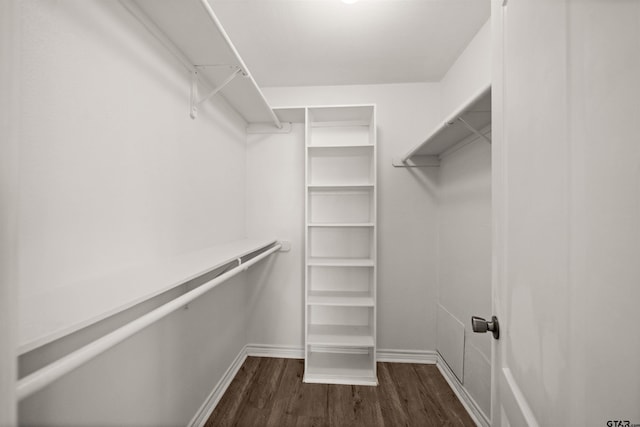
195, 101
417, 161
474, 130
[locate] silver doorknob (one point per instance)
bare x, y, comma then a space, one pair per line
478, 324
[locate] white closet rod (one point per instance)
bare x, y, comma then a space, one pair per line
50, 373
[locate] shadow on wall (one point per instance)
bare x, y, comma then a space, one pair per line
427, 177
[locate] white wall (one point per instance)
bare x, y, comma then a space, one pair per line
469, 74
114, 173
159, 377
275, 208
464, 283
406, 215
111, 163
464, 226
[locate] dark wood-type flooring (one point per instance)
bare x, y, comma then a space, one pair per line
270, 392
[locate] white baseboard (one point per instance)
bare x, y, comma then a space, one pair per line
463, 396
283, 351
407, 356
205, 411
255, 350
382, 355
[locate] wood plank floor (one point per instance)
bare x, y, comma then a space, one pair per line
270, 392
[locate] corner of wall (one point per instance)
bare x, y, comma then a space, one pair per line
470, 73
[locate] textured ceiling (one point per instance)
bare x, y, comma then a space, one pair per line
327, 42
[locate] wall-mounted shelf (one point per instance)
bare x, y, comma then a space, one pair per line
470, 122
191, 31
64, 309
290, 114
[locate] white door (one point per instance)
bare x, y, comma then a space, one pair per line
9, 31
566, 162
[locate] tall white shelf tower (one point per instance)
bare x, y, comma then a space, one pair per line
340, 235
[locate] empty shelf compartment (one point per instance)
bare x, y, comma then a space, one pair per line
341, 134
341, 205
341, 165
340, 336
345, 242
341, 298
340, 368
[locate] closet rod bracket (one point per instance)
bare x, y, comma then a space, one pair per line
195, 101
417, 161
474, 130
285, 245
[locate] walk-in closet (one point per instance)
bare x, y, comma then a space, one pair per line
319, 213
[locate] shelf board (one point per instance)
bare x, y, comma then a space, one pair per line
340, 368
341, 123
326, 187
64, 309
342, 224
361, 149
327, 146
476, 112
341, 262
340, 298
192, 29
340, 336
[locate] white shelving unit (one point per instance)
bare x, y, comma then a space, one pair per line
190, 30
468, 123
340, 270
